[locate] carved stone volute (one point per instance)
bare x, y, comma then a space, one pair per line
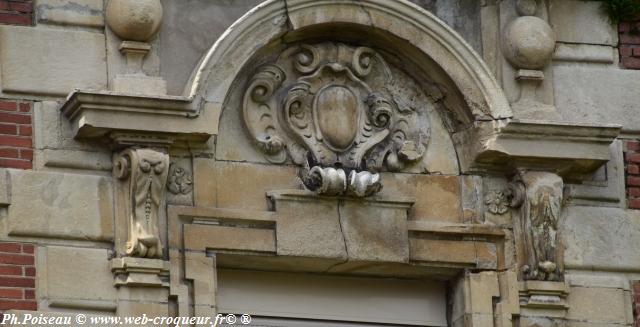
145, 173
539, 195
331, 105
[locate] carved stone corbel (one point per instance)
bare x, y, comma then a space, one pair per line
539, 195
145, 171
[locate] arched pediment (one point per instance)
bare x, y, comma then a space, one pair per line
395, 26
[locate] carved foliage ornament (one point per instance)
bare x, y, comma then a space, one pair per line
146, 172
179, 180
333, 105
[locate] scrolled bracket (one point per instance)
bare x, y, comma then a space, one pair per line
334, 181
539, 195
143, 174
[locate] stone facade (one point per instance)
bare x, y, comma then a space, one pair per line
458, 163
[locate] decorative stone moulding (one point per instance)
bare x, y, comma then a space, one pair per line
135, 119
572, 151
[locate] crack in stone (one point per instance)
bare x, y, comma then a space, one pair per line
344, 239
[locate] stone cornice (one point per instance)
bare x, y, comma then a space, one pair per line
95, 115
571, 150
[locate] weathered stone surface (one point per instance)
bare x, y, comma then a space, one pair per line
601, 238
205, 179
71, 12
203, 237
5, 188
71, 277
137, 84
462, 15
480, 254
597, 305
472, 201
374, 232
74, 159
437, 198
56, 205
309, 227
576, 21
240, 185
585, 53
482, 287
188, 29
75, 59
582, 97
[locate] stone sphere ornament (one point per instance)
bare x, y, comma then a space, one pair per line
528, 42
134, 20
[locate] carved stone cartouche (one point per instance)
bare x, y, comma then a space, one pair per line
334, 105
145, 171
540, 210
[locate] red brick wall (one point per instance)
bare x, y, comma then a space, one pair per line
16, 12
629, 46
632, 172
17, 277
16, 149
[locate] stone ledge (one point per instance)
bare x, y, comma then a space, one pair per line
571, 150
95, 115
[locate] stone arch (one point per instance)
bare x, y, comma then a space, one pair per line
419, 35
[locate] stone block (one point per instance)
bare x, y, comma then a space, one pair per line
601, 238
483, 287
590, 53
472, 200
437, 198
74, 59
5, 188
74, 159
453, 252
308, 227
597, 305
204, 182
581, 97
374, 232
53, 131
241, 185
64, 206
71, 12
576, 21
71, 277
202, 237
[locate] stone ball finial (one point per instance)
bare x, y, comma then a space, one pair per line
134, 20
528, 42
526, 7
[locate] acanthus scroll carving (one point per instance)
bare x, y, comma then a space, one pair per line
145, 171
540, 198
336, 106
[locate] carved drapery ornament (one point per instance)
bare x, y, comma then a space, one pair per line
331, 105
145, 171
540, 198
